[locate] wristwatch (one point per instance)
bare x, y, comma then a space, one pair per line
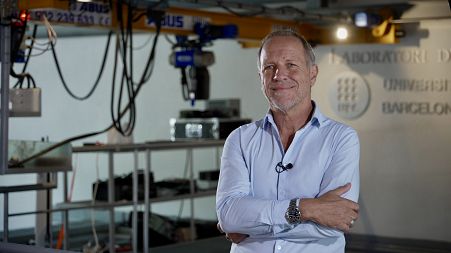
293, 214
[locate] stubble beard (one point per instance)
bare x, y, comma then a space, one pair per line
283, 106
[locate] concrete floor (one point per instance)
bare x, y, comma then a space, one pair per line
355, 244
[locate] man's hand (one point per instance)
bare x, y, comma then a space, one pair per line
236, 237
331, 210
233, 237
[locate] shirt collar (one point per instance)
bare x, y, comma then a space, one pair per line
317, 118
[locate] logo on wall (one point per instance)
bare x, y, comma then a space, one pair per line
349, 95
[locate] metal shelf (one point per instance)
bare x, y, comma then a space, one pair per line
110, 150
151, 146
87, 204
148, 147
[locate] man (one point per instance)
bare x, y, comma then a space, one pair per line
290, 181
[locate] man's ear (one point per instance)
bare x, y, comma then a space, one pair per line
313, 74
260, 75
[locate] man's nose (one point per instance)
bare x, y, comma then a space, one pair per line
280, 74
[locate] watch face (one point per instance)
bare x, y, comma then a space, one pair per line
293, 216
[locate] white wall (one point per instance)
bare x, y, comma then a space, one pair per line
405, 158
232, 76
405, 171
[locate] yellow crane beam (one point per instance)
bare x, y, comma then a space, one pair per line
180, 21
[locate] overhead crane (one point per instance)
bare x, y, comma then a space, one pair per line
180, 21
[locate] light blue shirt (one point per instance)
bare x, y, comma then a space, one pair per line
324, 154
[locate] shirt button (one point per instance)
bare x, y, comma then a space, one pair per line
279, 247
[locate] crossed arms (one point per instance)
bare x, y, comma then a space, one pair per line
329, 214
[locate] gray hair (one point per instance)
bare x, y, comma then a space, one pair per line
308, 50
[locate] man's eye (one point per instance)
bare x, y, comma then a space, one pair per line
268, 67
291, 65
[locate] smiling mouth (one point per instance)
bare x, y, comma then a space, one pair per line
281, 88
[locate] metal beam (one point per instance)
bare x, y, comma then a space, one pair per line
6, 9
180, 21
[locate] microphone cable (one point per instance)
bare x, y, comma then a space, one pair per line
279, 169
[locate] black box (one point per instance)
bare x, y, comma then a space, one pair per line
123, 187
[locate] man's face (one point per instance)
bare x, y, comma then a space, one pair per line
285, 73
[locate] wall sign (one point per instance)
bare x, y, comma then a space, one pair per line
349, 95
78, 13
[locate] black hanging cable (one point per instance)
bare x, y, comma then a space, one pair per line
170, 41
33, 83
122, 49
115, 66
184, 81
139, 16
151, 7
116, 118
56, 145
149, 68
127, 74
113, 88
99, 76
144, 78
147, 73
118, 124
20, 80
123, 42
143, 45
130, 88
20, 77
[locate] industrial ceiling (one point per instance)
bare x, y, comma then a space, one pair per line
318, 18
315, 11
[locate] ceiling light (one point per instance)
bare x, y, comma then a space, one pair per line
366, 19
342, 33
